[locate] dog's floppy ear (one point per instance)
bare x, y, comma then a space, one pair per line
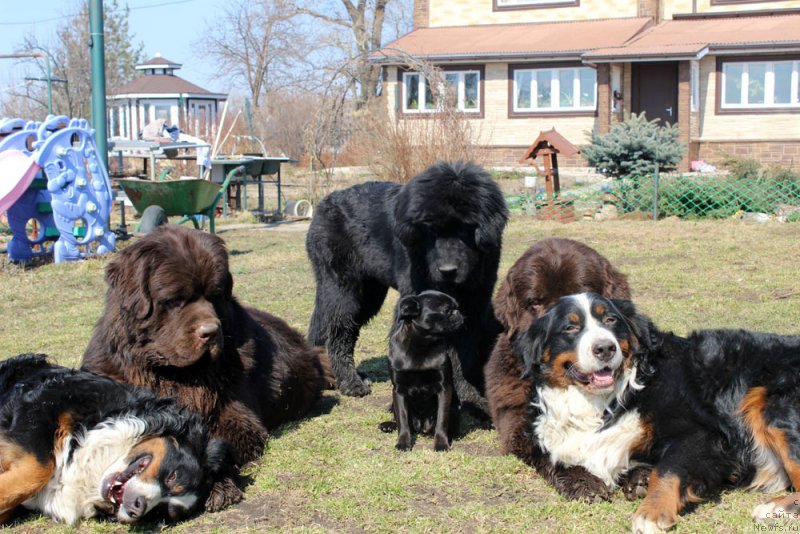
404, 228
489, 234
643, 328
220, 458
507, 306
408, 307
128, 277
228, 286
529, 345
405, 232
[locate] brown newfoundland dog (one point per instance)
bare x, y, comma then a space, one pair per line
549, 270
171, 324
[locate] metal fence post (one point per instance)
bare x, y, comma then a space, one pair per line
655, 193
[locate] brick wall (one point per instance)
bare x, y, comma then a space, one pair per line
421, 13
647, 8
778, 153
603, 98
684, 110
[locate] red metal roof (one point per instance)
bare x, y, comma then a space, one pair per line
505, 41
691, 37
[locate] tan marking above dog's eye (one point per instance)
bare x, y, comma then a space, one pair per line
599, 309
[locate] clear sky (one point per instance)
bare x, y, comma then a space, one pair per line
170, 27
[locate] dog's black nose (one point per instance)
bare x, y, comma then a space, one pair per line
136, 508
604, 350
206, 331
448, 270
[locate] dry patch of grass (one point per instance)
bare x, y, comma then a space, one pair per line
335, 471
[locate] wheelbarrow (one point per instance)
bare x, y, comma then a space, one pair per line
156, 201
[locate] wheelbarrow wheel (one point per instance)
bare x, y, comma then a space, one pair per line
153, 217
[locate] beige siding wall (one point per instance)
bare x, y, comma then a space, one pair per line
713, 127
475, 12
670, 7
390, 89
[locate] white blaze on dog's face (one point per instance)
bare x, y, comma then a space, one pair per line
582, 340
156, 472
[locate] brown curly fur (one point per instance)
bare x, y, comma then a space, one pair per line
547, 271
172, 325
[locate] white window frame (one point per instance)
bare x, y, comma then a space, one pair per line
461, 91
769, 85
555, 90
422, 87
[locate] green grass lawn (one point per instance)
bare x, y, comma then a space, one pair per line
335, 471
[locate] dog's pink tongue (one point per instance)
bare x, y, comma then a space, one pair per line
603, 379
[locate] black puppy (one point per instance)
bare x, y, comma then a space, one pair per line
421, 359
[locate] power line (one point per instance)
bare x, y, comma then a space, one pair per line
62, 17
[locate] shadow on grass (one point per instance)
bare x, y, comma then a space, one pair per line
323, 406
376, 369
235, 252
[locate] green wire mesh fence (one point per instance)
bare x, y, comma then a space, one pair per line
685, 196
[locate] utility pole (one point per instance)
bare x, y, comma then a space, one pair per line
97, 46
49, 79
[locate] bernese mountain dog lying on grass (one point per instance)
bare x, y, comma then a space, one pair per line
617, 402
74, 445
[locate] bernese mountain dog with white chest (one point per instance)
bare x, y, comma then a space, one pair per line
74, 445
618, 403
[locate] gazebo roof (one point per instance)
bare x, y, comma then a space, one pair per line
550, 139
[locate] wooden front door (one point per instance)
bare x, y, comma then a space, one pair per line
655, 90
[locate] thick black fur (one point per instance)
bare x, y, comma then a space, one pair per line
45, 408
442, 230
420, 354
695, 396
707, 402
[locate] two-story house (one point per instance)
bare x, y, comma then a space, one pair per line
726, 71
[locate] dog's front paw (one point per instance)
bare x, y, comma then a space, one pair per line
387, 426
786, 506
579, 484
224, 493
652, 522
634, 483
403, 443
441, 444
355, 387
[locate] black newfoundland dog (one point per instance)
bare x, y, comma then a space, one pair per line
442, 230
172, 325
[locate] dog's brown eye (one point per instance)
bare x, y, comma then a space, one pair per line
172, 478
572, 329
610, 320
